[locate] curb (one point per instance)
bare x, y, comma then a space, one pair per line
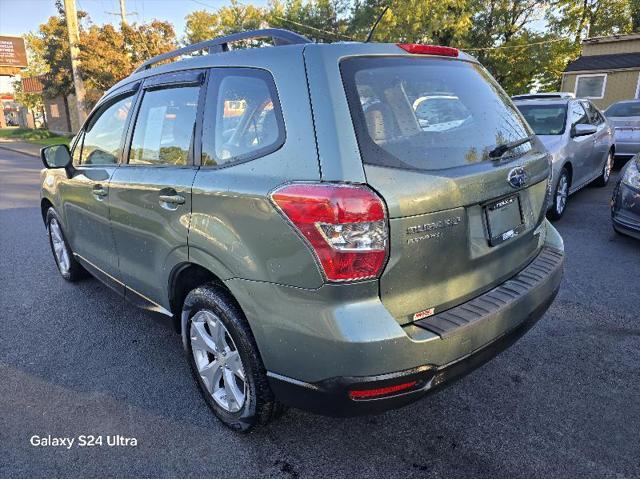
15, 150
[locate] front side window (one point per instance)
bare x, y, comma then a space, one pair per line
545, 119
427, 113
590, 86
592, 112
103, 134
577, 115
243, 120
164, 127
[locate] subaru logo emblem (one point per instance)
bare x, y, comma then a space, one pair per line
517, 177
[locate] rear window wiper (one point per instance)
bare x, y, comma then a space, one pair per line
500, 150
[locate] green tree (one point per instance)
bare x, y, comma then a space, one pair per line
107, 55
635, 15
581, 19
322, 20
444, 22
202, 25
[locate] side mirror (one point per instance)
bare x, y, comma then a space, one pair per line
55, 156
583, 130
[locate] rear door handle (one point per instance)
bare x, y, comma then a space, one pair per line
172, 199
100, 192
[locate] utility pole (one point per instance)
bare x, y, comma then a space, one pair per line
123, 12
71, 15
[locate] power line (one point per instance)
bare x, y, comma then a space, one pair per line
525, 45
335, 34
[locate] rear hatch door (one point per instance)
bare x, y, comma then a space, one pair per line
463, 216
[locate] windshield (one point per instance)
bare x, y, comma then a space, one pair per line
545, 119
631, 108
428, 113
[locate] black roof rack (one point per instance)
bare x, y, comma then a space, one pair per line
221, 44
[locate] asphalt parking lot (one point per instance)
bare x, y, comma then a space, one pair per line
77, 360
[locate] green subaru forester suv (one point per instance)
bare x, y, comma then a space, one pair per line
342, 227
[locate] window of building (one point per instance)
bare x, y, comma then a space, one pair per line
591, 86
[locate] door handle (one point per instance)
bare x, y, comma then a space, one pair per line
172, 199
99, 192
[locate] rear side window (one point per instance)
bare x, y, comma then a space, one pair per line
164, 127
103, 133
243, 119
427, 113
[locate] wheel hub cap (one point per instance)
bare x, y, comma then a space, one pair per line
218, 361
59, 247
561, 195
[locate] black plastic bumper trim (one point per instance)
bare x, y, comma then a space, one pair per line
487, 305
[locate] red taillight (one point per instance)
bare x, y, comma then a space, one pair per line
374, 393
418, 49
345, 225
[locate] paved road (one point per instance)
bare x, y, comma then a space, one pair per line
75, 359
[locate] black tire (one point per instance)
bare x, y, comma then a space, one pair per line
557, 206
260, 406
75, 271
605, 174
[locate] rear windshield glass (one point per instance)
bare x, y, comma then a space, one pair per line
428, 113
545, 119
624, 109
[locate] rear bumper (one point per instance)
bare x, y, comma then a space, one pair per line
453, 343
626, 149
331, 397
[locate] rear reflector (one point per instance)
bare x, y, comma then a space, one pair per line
345, 225
418, 49
374, 393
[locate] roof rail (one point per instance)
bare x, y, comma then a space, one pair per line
221, 44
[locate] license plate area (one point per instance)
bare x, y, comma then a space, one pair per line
504, 219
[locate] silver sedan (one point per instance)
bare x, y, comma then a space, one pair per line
580, 141
625, 118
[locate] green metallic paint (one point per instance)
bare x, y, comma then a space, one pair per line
150, 238
346, 330
305, 328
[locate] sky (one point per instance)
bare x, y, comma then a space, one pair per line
18, 17
21, 16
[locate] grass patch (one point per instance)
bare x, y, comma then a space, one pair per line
38, 137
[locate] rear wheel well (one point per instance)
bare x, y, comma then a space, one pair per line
183, 280
45, 204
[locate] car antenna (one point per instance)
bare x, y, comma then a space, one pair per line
375, 25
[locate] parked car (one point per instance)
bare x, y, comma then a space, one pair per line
320, 250
625, 118
625, 204
544, 96
580, 141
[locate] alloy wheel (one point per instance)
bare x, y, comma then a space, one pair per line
562, 192
218, 361
607, 168
59, 247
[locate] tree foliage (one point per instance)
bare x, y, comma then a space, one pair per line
202, 25
107, 55
525, 44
